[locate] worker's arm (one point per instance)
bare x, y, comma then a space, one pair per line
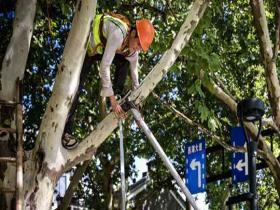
133, 60
114, 41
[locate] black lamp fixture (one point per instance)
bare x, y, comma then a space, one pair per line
250, 110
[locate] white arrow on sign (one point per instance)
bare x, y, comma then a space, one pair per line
240, 164
193, 166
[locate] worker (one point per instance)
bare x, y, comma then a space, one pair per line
112, 40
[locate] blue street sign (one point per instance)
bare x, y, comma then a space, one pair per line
195, 166
239, 163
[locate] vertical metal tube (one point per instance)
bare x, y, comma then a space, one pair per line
20, 153
163, 156
252, 152
252, 155
122, 167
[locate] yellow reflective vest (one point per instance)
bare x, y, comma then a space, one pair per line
98, 40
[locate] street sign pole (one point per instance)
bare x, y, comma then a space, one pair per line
141, 123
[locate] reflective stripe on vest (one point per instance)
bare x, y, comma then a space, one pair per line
95, 45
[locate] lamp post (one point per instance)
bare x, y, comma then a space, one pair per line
251, 110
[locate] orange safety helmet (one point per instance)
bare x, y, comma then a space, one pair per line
146, 32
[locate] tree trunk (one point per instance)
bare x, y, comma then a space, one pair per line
14, 62
13, 67
107, 184
48, 152
268, 59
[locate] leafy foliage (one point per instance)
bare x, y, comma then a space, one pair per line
224, 46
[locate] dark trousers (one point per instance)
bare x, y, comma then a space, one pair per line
121, 72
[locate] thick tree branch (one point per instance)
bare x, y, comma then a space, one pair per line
48, 142
267, 57
73, 185
179, 114
270, 123
67, 78
222, 85
170, 56
15, 59
88, 146
13, 67
218, 92
277, 32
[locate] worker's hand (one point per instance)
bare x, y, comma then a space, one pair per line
117, 109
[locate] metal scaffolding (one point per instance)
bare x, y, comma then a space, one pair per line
16, 108
128, 105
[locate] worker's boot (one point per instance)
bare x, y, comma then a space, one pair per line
69, 142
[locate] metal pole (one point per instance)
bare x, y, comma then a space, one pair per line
252, 160
20, 152
122, 166
252, 152
163, 156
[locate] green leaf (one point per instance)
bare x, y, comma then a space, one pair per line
212, 124
204, 112
198, 89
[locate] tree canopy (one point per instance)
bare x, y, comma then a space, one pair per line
224, 62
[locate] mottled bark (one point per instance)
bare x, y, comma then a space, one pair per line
13, 67
277, 31
268, 60
48, 152
14, 62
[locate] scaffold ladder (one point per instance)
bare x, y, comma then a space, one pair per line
141, 123
16, 107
